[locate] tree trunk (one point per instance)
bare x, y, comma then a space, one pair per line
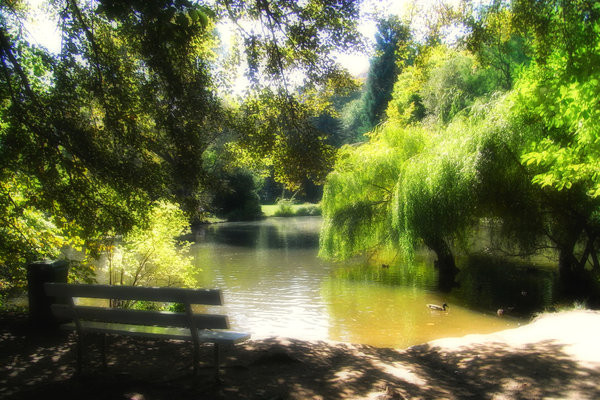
444, 263
571, 272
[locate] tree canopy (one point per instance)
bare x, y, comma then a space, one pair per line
496, 127
393, 52
123, 117
506, 127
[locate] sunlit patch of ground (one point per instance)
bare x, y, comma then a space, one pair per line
556, 356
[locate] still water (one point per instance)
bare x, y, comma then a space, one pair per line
274, 284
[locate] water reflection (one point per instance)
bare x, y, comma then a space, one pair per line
274, 284
488, 283
269, 273
419, 274
274, 233
389, 316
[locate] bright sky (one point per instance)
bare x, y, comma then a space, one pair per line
44, 31
358, 64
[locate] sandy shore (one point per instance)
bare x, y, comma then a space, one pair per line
555, 357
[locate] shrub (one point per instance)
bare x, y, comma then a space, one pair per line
284, 209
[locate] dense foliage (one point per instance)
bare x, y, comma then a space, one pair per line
392, 53
128, 111
151, 255
499, 134
495, 128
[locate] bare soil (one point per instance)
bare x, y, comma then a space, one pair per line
557, 356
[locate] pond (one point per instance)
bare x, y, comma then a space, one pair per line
274, 284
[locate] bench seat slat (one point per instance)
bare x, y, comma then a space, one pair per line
127, 316
160, 294
220, 337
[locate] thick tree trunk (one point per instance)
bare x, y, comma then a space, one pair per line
571, 273
444, 263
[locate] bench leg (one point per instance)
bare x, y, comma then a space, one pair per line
79, 354
196, 358
217, 362
104, 364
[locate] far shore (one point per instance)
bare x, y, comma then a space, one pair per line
556, 356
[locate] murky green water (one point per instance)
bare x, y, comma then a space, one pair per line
274, 284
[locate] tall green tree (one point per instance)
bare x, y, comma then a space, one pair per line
525, 161
440, 183
442, 83
284, 42
393, 51
558, 97
358, 194
123, 115
99, 131
496, 41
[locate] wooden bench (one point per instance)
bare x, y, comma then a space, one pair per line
190, 326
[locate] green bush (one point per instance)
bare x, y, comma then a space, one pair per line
177, 307
308, 210
302, 211
147, 306
284, 209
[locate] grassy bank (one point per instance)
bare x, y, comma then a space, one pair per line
288, 209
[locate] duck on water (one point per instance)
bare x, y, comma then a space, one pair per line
438, 307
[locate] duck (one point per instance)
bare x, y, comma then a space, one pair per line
501, 311
437, 307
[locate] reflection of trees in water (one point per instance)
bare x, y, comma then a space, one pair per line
417, 274
489, 283
280, 233
257, 255
484, 283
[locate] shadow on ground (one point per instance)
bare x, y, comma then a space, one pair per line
36, 365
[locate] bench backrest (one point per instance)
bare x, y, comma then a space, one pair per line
164, 294
188, 297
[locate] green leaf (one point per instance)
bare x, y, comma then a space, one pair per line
203, 19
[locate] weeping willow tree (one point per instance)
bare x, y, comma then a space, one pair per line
413, 183
520, 157
411, 186
405, 187
358, 194
434, 198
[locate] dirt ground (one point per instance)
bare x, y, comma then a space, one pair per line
555, 357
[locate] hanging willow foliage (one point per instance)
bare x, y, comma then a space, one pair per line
359, 192
411, 186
